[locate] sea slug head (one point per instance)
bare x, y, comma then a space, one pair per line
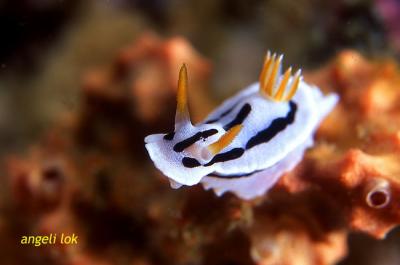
183, 154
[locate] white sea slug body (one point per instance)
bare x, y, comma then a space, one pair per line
248, 142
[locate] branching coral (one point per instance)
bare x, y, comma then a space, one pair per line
95, 180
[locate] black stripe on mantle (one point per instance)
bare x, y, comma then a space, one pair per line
263, 136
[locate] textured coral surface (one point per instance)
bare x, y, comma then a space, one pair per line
91, 176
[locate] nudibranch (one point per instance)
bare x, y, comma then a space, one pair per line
249, 141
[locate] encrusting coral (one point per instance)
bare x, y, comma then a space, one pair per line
91, 175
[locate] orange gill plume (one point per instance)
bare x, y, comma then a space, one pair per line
269, 76
182, 111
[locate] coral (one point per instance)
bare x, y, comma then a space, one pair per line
362, 160
348, 181
91, 176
